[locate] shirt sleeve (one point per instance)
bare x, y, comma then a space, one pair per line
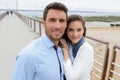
23, 68
82, 64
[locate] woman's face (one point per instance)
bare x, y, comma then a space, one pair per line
75, 31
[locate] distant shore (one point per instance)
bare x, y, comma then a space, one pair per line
103, 18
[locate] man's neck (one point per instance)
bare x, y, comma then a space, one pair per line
56, 43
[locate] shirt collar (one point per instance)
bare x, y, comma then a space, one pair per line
48, 42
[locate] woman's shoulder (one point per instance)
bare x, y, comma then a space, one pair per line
87, 46
85, 49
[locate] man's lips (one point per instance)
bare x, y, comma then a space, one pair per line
57, 32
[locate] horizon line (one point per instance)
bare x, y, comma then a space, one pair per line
68, 11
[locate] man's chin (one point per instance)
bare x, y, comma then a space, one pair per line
57, 38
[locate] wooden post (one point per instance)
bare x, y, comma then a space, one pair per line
34, 26
105, 64
40, 28
30, 22
113, 60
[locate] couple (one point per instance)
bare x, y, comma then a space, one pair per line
50, 57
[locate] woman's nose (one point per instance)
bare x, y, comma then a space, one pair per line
75, 34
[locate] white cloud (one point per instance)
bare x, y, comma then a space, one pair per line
71, 4
9, 4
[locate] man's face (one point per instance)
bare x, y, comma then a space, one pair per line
55, 24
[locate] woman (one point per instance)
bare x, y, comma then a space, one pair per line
78, 54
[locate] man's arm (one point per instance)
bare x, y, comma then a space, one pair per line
23, 68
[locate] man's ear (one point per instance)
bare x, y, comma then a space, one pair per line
43, 22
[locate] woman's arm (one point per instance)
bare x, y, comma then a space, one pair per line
81, 67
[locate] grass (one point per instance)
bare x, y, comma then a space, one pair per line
103, 18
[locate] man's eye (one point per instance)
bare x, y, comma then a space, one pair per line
62, 20
52, 20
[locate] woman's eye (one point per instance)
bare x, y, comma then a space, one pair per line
79, 29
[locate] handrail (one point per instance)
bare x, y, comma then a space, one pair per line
105, 58
97, 40
114, 64
116, 47
31, 22
2, 16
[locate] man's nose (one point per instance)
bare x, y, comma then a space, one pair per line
57, 24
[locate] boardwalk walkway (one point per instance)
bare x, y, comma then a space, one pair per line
14, 35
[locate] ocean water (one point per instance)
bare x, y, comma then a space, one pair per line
39, 13
2, 11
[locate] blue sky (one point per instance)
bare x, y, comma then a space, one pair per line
99, 5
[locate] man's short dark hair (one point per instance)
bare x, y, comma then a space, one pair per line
54, 5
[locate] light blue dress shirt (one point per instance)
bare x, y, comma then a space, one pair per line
38, 61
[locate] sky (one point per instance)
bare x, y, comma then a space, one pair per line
99, 5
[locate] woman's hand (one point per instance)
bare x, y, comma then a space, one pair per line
65, 49
64, 44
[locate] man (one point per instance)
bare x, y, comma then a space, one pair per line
43, 59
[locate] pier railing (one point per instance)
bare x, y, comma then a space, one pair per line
33, 23
101, 57
2, 16
114, 71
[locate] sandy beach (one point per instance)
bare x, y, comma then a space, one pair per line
107, 34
